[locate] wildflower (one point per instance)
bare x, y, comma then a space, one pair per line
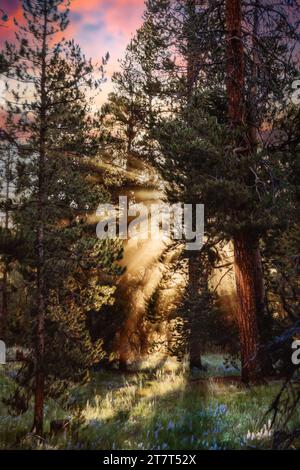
222, 409
170, 425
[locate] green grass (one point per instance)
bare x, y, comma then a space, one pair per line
162, 409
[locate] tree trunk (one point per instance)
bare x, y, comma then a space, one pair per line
194, 270
253, 125
192, 56
38, 423
245, 252
249, 280
196, 278
4, 306
40, 321
235, 79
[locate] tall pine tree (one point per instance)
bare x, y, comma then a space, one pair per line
63, 263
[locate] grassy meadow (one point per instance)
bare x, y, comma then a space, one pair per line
154, 409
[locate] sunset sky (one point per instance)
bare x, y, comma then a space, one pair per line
99, 26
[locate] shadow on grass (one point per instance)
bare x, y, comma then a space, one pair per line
161, 409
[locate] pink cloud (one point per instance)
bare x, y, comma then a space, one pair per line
13, 10
112, 23
99, 26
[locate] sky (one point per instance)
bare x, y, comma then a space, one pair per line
99, 26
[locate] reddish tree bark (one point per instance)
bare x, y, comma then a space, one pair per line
247, 268
235, 79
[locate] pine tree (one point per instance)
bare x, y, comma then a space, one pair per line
123, 118
237, 81
63, 262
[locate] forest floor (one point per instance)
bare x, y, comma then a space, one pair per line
164, 408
